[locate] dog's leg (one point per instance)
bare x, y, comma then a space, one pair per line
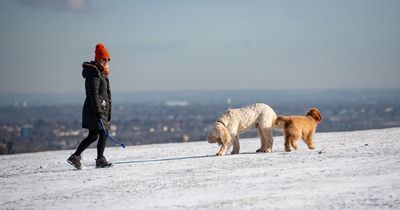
294, 144
268, 139
236, 145
287, 143
262, 139
226, 140
224, 149
290, 138
310, 140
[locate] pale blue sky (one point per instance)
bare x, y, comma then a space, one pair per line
201, 45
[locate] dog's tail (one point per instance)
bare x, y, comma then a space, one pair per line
281, 121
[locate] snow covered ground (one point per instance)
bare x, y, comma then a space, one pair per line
347, 170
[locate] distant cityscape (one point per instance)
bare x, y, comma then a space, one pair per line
185, 116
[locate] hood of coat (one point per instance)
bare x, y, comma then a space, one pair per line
92, 69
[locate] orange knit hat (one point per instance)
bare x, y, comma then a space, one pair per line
101, 52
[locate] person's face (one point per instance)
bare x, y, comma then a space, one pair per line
105, 62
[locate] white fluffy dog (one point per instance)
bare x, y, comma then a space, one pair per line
227, 128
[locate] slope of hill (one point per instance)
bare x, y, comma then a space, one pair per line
348, 170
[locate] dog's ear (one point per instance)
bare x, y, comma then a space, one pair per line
225, 136
315, 114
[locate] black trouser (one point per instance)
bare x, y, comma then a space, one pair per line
92, 137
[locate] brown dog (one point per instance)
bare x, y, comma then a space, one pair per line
296, 127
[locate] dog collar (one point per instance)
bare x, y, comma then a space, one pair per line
219, 121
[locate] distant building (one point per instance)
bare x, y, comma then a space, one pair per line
177, 103
26, 131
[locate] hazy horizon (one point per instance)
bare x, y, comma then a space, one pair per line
207, 96
201, 45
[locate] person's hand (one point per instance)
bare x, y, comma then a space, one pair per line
108, 125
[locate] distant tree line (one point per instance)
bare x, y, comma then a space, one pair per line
42, 128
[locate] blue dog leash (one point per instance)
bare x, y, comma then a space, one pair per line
109, 136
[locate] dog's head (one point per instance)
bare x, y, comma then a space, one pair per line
315, 114
218, 134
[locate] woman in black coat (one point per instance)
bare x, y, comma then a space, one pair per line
97, 107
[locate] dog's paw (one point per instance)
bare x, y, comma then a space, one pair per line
220, 154
234, 152
311, 146
288, 150
268, 150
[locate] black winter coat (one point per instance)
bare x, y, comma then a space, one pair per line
98, 96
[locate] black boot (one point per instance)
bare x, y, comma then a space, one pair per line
101, 162
75, 160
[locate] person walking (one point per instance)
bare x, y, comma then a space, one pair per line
97, 107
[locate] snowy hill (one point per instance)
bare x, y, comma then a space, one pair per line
347, 170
